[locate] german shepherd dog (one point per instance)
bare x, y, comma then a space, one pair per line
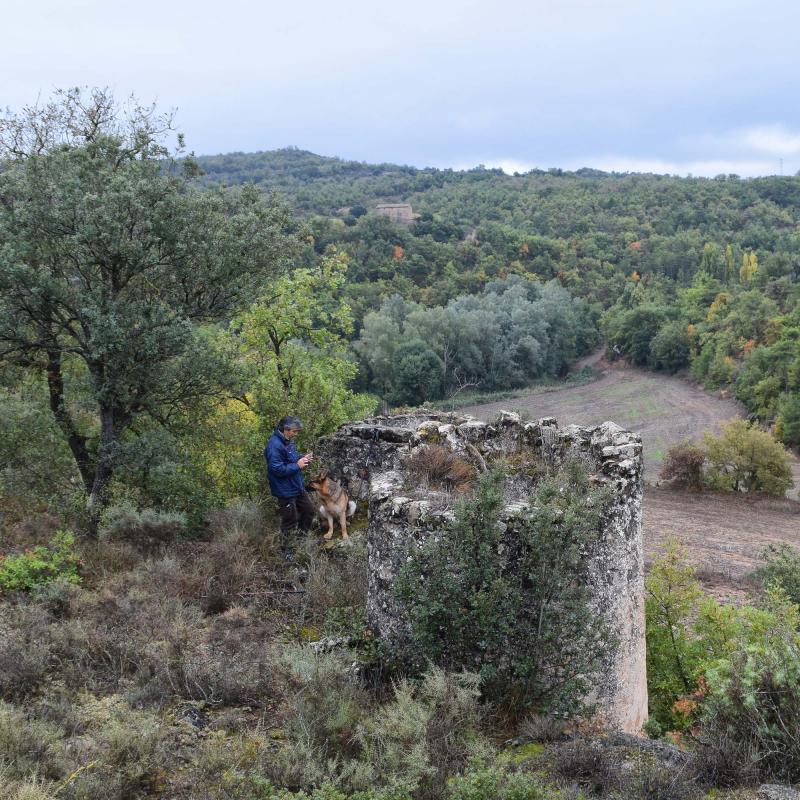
335, 502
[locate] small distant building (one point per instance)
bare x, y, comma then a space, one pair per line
397, 212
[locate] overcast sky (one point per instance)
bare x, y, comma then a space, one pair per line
702, 87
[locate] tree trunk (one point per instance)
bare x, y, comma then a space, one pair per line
104, 470
76, 442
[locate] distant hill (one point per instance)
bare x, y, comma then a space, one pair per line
541, 202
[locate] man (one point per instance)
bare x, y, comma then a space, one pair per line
285, 471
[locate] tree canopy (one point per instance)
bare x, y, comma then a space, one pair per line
111, 259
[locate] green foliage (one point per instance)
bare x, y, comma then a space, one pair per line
292, 344
782, 567
110, 260
141, 527
673, 658
511, 602
745, 458
515, 331
634, 331
788, 422
649, 250
36, 468
427, 733
751, 716
410, 745
669, 348
482, 782
417, 374
41, 565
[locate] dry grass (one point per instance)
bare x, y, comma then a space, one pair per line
439, 467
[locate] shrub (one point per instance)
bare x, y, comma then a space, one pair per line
496, 783
25, 651
336, 588
323, 703
243, 522
745, 458
671, 597
782, 567
29, 747
427, 733
26, 790
145, 528
40, 565
683, 465
123, 755
750, 726
512, 601
624, 772
541, 728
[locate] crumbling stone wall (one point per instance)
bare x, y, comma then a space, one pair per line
370, 458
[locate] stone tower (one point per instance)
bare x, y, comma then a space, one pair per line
370, 458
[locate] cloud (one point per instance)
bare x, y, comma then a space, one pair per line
774, 140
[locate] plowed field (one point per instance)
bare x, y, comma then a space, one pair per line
724, 533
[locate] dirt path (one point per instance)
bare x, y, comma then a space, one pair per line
589, 361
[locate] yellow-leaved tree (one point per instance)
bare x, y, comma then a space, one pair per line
291, 345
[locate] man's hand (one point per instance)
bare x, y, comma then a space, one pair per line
305, 461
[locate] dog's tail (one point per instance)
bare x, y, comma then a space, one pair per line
351, 508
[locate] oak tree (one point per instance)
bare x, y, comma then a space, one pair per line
111, 260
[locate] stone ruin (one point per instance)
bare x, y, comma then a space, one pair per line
370, 457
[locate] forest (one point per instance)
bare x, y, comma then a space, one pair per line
673, 273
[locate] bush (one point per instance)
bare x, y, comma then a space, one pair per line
750, 726
495, 783
426, 734
29, 747
25, 651
323, 703
673, 655
243, 522
145, 528
782, 567
511, 601
26, 790
624, 772
683, 465
336, 588
745, 458
40, 565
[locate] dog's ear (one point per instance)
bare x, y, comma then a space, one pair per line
322, 475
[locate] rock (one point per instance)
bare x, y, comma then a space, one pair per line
329, 643
776, 791
369, 458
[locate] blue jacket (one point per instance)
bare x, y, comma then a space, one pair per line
285, 477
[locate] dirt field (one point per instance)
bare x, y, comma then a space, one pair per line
665, 410
724, 533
